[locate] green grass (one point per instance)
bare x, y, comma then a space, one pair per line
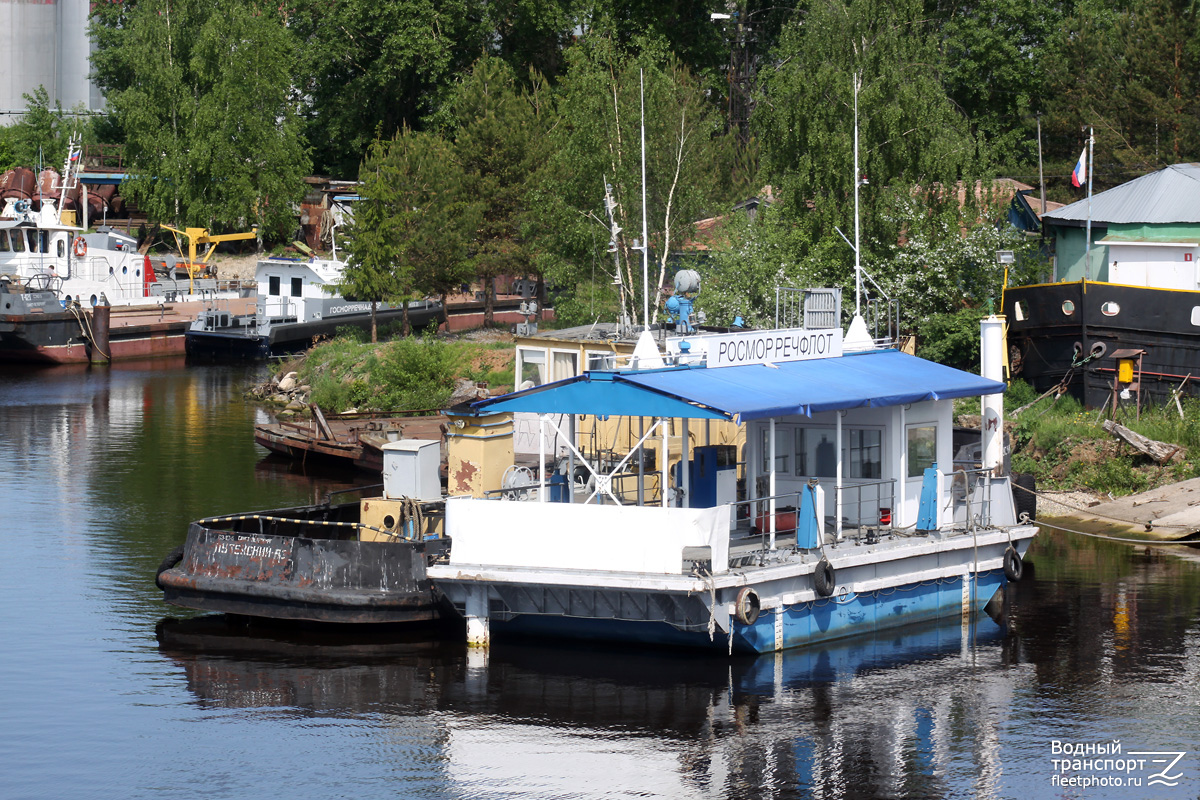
1064, 446
413, 373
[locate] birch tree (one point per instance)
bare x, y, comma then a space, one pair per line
202, 92
597, 150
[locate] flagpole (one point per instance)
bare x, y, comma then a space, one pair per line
1091, 167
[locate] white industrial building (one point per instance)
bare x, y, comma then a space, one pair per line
45, 43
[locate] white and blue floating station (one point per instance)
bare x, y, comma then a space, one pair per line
845, 511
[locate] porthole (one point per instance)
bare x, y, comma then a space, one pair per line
110, 271
94, 301
1196, 316
124, 270
1019, 311
389, 522
1110, 309
1068, 307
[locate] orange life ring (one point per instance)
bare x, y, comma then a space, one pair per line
80, 247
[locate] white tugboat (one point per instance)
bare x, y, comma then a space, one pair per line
69, 296
295, 304
855, 517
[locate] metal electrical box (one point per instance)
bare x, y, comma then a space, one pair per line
712, 475
410, 469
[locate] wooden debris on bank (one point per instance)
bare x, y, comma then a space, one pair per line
1161, 452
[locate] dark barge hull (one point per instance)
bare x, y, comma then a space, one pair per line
35, 329
1059, 325
242, 342
279, 574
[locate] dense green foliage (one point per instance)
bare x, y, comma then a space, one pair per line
203, 94
525, 113
40, 138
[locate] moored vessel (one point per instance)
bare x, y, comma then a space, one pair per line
296, 304
852, 516
357, 563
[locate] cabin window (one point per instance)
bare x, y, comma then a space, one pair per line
297, 286
816, 453
566, 365
531, 367
922, 449
1068, 307
4, 245
33, 241
601, 360
1110, 309
62, 248
864, 453
18, 242
1019, 311
273, 285
1196, 316
44, 241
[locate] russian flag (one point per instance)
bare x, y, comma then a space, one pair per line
1079, 176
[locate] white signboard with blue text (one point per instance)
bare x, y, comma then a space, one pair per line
771, 347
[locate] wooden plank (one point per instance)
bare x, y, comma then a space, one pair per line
322, 425
1161, 452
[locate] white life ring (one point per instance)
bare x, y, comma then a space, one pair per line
80, 247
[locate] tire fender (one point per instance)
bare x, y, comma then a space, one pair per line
1014, 566
172, 558
824, 580
747, 606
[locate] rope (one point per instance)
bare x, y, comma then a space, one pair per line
84, 321
1147, 525
1186, 543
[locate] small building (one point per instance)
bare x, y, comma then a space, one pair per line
1144, 232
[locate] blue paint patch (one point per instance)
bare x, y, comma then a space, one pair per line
836, 617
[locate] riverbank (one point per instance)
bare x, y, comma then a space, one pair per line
426, 373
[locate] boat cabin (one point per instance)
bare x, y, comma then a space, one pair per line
294, 290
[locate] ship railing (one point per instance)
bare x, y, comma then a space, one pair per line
754, 517
976, 498
867, 505
624, 486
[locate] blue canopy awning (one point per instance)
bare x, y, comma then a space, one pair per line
757, 391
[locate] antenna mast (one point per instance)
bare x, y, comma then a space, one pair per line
645, 241
857, 183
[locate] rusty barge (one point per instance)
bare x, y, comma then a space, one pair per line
348, 563
347, 440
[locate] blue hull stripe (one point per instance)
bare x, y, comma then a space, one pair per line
803, 623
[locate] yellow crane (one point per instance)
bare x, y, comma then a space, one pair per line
198, 236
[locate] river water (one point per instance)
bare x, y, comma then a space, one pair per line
109, 693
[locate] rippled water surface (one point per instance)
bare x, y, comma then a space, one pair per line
109, 693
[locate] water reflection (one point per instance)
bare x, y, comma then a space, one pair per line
104, 468
914, 715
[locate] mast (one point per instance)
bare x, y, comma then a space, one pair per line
857, 183
1041, 176
645, 240
1087, 258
